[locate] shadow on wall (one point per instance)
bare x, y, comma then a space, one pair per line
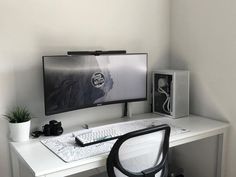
202, 99
29, 88
4, 148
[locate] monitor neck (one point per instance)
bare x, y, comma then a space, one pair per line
127, 110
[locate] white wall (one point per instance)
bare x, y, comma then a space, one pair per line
30, 29
203, 40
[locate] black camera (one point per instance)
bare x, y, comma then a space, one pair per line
54, 128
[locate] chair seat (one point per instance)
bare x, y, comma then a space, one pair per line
102, 174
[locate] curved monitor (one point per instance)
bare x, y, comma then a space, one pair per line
81, 81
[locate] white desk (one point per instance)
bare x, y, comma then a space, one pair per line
41, 162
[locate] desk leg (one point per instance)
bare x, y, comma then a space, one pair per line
220, 171
14, 163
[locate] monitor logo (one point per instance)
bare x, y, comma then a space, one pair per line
98, 79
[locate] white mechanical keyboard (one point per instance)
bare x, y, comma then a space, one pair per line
93, 137
113, 131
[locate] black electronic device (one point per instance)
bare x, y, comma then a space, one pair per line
54, 128
37, 134
97, 52
74, 82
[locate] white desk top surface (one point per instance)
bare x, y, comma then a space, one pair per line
42, 161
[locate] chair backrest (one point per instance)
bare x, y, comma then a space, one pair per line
142, 153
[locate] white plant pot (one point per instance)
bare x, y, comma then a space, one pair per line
19, 131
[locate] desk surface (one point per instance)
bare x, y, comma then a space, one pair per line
43, 162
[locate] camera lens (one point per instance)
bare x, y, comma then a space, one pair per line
46, 130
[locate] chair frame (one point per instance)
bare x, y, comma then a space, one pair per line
113, 158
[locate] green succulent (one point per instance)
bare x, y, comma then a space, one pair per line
18, 115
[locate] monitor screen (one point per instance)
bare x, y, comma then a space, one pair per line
81, 81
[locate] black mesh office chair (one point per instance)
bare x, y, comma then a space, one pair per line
142, 153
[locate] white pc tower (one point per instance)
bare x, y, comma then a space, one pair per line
171, 93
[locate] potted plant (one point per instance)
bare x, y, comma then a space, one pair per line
19, 123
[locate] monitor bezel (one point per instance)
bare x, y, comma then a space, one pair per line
93, 105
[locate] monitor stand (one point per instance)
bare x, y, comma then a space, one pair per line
127, 110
